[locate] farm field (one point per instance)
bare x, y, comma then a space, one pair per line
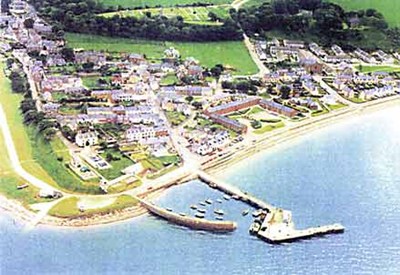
229, 53
192, 15
389, 8
156, 3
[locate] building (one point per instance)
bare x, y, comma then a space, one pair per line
83, 139
233, 106
229, 123
278, 108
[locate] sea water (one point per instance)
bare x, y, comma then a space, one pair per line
347, 173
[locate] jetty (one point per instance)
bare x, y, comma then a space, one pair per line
278, 227
234, 191
187, 221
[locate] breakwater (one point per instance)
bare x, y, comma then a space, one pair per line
190, 222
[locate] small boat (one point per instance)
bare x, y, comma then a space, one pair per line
169, 209
193, 206
219, 212
227, 197
255, 227
182, 214
202, 203
199, 215
220, 218
245, 212
236, 197
201, 210
219, 200
209, 201
22, 186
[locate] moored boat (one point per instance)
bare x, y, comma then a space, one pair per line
182, 214
169, 209
199, 215
219, 212
201, 210
202, 203
227, 197
193, 206
209, 201
219, 200
245, 212
220, 218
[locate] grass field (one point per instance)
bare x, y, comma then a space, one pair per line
192, 15
155, 3
389, 8
371, 69
231, 53
68, 208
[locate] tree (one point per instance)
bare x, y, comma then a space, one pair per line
68, 54
88, 67
285, 92
28, 23
189, 98
109, 157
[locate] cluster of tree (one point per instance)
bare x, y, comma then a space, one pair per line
249, 87
82, 16
325, 21
19, 84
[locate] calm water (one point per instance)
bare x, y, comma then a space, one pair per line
347, 173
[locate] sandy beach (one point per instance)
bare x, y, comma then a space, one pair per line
217, 166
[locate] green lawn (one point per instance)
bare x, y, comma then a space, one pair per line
175, 118
229, 53
192, 15
389, 8
371, 69
68, 208
268, 128
170, 79
119, 163
153, 3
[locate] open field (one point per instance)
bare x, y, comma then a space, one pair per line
155, 3
384, 68
192, 15
389, 8
68, 208
231, 53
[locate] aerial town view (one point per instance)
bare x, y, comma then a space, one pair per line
200, 136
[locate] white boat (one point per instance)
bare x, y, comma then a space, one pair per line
169, 209
227, 197
219, 212
202, 203
236, 197
193, 206
219, 200
245, 212
199, 215
182, 214
209, 201
220, 218
201, 210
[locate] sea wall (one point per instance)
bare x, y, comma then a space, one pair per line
193, 223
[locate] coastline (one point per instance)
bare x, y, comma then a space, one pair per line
274, 139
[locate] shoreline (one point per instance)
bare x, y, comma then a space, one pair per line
215, 167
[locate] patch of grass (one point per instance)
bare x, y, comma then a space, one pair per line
169, 80
268, 128
388, 8
175, 118
231, 54
153, 3
256, 110
191, 15
119, 163
372, 69
336, 106
68, 208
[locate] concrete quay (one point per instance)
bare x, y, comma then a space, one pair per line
234, 191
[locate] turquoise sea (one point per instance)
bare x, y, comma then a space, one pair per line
347, 173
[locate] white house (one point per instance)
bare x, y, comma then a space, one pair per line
89, 138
